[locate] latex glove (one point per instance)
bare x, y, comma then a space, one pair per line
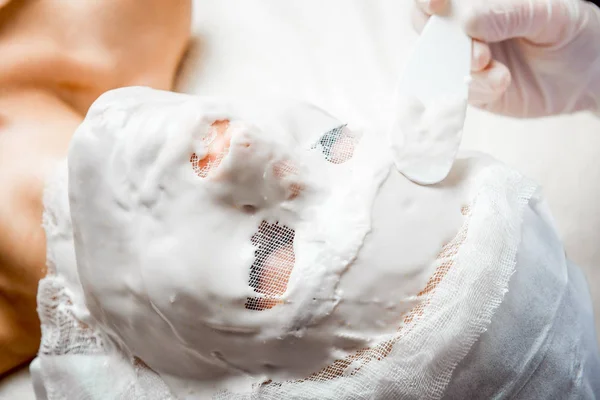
531, 58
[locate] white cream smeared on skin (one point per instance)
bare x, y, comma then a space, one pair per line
164, 256
426, 138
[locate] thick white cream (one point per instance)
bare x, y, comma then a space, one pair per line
425, 138
165, 256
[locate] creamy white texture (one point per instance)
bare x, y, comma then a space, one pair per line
426, 138
164, 256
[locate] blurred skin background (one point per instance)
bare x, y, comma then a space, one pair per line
56, 58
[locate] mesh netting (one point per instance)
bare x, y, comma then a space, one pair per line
337, 145
274, 255
273, 262
62, 332
456, 305
285, 169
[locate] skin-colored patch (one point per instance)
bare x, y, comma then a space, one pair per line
218, 141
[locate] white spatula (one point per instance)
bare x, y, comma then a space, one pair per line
438, 69
440, 63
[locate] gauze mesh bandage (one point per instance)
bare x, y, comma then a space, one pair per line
201, 248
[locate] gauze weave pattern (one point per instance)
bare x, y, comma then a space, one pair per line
470, 280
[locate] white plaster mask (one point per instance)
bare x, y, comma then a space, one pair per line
218, 239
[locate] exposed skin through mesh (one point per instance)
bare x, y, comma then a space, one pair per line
337, 145
275, 258
274, 276
273, 262
364, 356
217, 141
270, 273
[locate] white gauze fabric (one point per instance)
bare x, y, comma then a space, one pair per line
85, 354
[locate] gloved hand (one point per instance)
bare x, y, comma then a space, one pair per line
531, 58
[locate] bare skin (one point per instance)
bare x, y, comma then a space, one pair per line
57, 57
